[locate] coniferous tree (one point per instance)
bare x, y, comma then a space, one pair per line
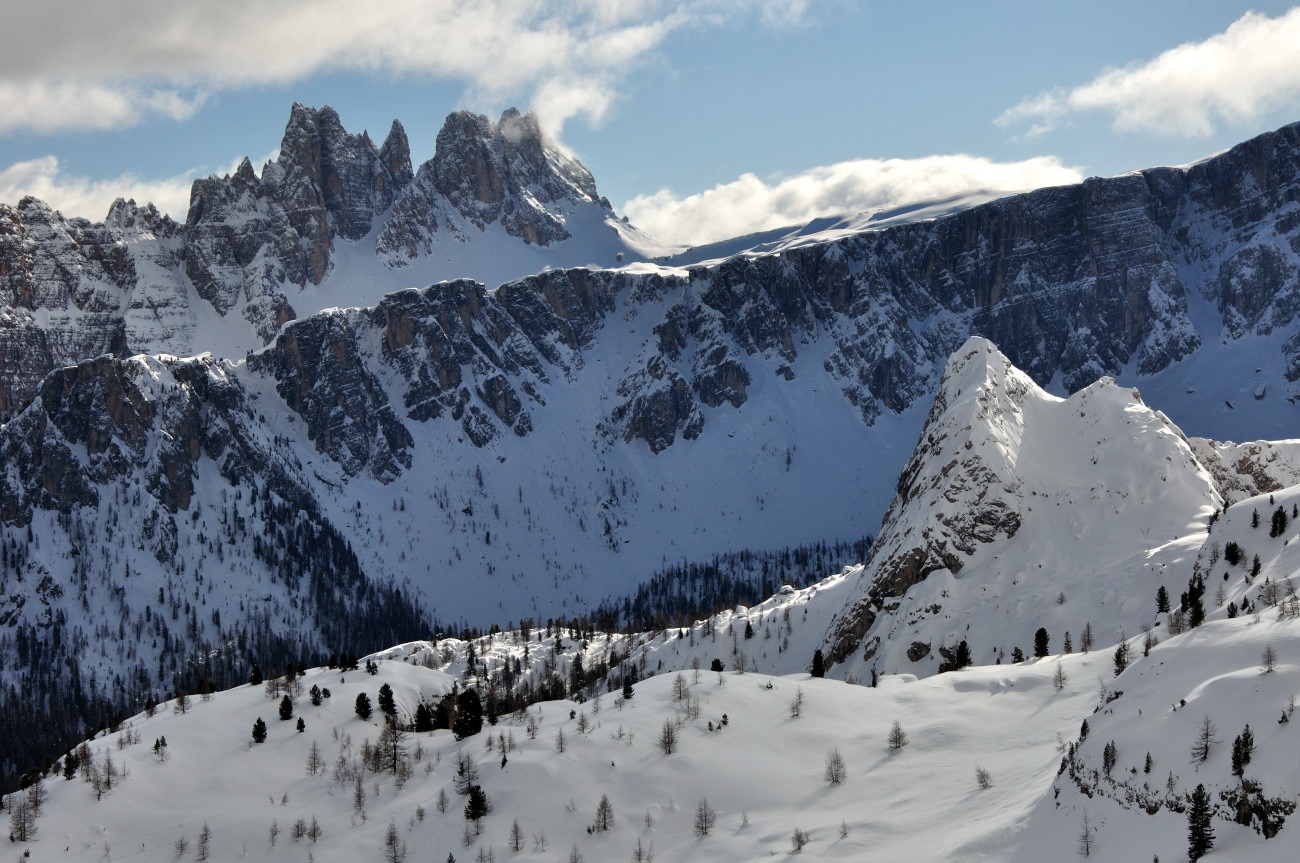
1194, 600
1121, 657
1242, 749
628, 680
1040, 642
897, 737
668, 737
477, 805
255, 676
1205, 739
363, 705
469, 715
259, 731
818, 664
386, 703
604, 815
423, 718
1162, 600
705, 817
1108, 755
1200, 829
286, 708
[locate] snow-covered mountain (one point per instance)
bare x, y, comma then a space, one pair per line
333, 220
360, 454
1020, 510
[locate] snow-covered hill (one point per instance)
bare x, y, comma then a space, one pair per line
978, 778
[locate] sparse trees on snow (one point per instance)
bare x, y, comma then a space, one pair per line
897, 737
798, 839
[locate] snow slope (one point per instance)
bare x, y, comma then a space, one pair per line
763, 772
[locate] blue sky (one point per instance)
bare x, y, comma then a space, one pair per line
699, 118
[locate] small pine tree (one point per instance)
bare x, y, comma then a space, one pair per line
897, 737
1205, 739
1087, 836
1200, 829
628, 692
259, 731
1040, 642
202, 851
286, 708
1108, 754
477, 806
1268, 659
835, 772
1162, 600
255, 676
1121, 658
818, 664
705, 817
1242, 749
604, 815
387, 705
315, 695
363, 707
668, 737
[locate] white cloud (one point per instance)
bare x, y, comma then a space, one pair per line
1233, 77
751, 204
79, 196
113, 64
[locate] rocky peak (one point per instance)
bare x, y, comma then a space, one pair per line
1010, 487
395, 162
483, 169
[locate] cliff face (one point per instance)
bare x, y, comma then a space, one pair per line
1077, 281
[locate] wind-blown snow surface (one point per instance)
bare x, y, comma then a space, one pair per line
762, 772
